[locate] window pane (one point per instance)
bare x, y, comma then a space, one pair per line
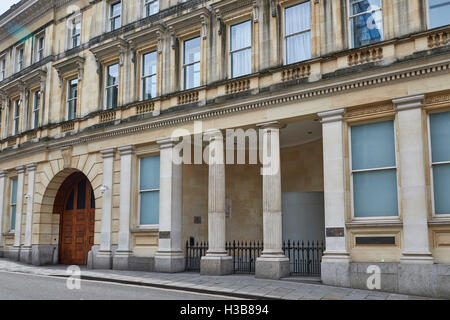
440, 136
73, 87
298, 18
111, 97
149, 63
241, 63
241, 35
69, 204
192, 76
72, 110
373, 146
152, 7
298, 47
81, 196
13, 217
115, 9
113, 75
149, 87
192, 50
366, 28
14, 191
375, 193
441, 179
439, 13
149, 173
149, 208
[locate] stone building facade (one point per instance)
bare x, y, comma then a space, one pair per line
351, 100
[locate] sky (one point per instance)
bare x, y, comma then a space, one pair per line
5, 4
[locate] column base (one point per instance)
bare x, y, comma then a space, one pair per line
216, 265
102, 260
26, 255
13, 253
1, 251
335, 269
272, 267
170, 262
121, 260
417, 258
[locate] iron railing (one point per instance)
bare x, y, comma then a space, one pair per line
305, 257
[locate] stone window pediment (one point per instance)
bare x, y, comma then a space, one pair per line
145, 36
31, 79
110, 50
231, 9
69, 66
195, 20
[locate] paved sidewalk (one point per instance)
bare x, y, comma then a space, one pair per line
242, 286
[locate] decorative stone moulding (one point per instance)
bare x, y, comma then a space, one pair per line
145, 107
188, 97
368, 110
438, 39
66, 127
365, 56
12, 142
237, 86
296, 72
107, 116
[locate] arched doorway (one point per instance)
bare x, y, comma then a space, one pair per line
75, 203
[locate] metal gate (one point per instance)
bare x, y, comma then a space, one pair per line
305, 257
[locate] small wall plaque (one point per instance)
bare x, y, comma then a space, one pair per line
197, 220
164, 234
335, 232
375, 240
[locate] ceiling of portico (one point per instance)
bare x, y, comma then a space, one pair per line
297, 133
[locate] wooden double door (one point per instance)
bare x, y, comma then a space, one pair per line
77, 220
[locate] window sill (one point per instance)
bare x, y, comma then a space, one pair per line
393, 223
8, 234
436, 221
143, 229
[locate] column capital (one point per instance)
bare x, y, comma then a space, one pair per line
332, 116
108, 153
167, 142
126, 150
31, 167
271, 125
20, 169
2, 174
410, 102
212, 134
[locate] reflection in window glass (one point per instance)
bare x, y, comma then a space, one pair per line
366, 22
112, 86
439, 13
191, 63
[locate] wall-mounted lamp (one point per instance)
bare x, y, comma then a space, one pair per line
103, 189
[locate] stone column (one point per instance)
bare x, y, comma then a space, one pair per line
336, 259
103, 258
170, 256
25, 252
411, 144
123, 252
15, 253
2, 207
272, 264
217, 261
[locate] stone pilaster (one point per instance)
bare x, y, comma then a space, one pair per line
170, 257
103, 257
412, 178
272, 264
336, 259
2, 206
122, 255
216, 261
25, 252
15, 252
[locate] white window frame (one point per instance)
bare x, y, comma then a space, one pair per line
11, 204
20, 58
432, 164
352, 195
105, 107
36, 109
146, 226
112, 18
296, 33
147, 4
16, 117
39, 52
74, 35
144, 77
350, 17
184, 66
3, 68
68, 99
231, 52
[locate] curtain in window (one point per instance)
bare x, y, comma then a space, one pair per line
439, 13
374, 172
241, 42
440, 154
192, 63
149, 75
366, 28
149, 190
298, 36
